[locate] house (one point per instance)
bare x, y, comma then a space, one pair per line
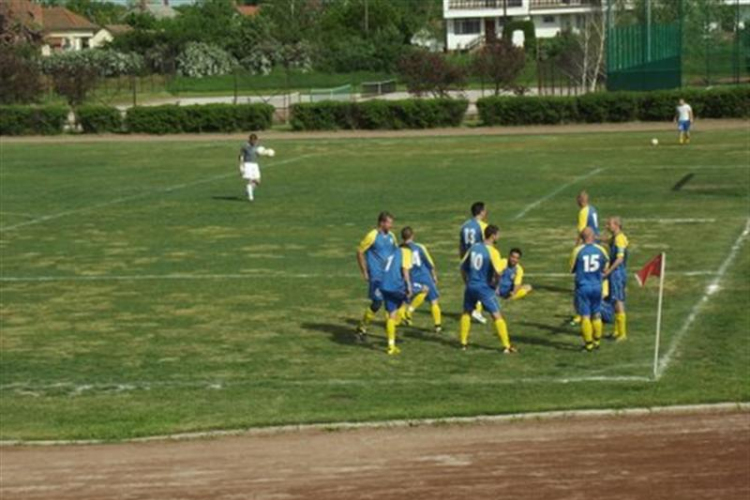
247, 10
107, 33
60, 28
470, 23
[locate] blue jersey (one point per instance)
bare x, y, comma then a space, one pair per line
421, 263
377, 247
472, 232
393, 278
510, 277
482, 263
588, 263
588, 216
618, 248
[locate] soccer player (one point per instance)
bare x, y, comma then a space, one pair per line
396, 289
423, 278
480, 269
372, 255
472, 232
249, 168
684, 118
588, 216
617, 274
588, 262
511, 285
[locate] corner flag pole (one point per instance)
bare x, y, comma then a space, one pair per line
658, 314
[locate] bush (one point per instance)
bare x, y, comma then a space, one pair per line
426, 72
201, 59
20, 78
98, 119
28, 120
171, 119
105, 62
529, 34
613, 107
379, 114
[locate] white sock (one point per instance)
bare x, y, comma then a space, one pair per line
249, 191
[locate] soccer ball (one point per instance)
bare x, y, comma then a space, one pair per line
654, 142
261, 150
270, 152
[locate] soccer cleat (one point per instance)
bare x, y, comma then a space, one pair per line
596, 344
406, 321
393, 350
575, 321
588, 347
478, 317
510, 350
438, 329
464, 347
621, 338
361, 334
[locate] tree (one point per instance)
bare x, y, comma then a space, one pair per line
74, 82
428, 72
500, 62
20, 78
101, 13
582, 51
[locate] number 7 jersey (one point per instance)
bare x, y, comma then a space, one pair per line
588, 263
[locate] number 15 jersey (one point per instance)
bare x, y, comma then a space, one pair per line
588, 263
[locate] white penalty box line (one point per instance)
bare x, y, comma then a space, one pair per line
124, 199
555, 192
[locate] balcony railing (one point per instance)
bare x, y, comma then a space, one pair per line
483, 4
561, 4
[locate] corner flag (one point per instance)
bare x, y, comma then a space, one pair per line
653, 268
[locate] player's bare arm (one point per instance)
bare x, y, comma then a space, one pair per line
362, 265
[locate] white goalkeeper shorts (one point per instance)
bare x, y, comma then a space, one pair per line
251, 172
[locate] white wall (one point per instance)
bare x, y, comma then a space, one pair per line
100, 38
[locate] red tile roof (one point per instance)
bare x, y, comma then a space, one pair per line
248, 10
61, 19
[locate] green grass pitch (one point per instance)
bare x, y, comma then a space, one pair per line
142, 295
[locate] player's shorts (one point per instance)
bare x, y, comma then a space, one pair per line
505, 292
373, 292
588, 300
485, 295
683, 125
617, 282
608, 311
393, 300
251, 171
429, 285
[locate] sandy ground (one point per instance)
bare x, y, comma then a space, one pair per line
666, 456
594, 128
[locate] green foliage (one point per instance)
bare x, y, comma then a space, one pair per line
105, 62
172, 119
426, 72
379, 114
32, 120
95, 119
99, 12
529, 34
613, 107
199, 60
20, 78
500, 63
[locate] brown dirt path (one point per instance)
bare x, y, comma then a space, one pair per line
661, 456
701, 125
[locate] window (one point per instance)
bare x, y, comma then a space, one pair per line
467, 26
548, 19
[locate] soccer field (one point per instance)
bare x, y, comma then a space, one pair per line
141, 294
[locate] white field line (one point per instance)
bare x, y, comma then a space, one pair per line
124, 199
675, 220
417, 422
697, 167
249, 275
713, 287
555, 192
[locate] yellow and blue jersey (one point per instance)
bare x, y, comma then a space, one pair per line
422, 263
472, 232
588, 216
618, 248
510, 278
588, 263
377, 247
393, 279
481, 264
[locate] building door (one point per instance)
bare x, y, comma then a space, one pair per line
489, 30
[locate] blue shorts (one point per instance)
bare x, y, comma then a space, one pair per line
374, 293
683, 125
504, 292
588, 300
608, 311
485, 295
426, 284
617, 284
393, 300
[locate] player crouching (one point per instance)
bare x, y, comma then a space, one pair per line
423, 279
249, 167
511, 285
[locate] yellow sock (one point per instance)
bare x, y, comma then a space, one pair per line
621, 324
418, 300
502, 332
400, 315
520, 294
597, 327
390, 330
437, 315
465, 327
479, 307
587, 331
367, 317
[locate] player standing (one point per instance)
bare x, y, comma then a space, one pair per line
396, 289
588, 262
684, 118
372, 255
480, 269
423, 278
617, 274
511, 284
588, 216
472, 232
249, 168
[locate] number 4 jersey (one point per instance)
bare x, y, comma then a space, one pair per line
588, 263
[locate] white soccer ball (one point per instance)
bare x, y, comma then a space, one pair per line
654, 142
261, 150
270, 152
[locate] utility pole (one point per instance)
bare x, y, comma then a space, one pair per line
367, 17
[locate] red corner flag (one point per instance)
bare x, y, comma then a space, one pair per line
653, 268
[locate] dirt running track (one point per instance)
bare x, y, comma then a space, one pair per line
677, 456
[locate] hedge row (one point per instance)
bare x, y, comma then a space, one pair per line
28, 120
172, 119
379, 114
613, 107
